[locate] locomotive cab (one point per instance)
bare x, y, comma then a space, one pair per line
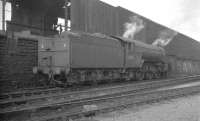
147, 60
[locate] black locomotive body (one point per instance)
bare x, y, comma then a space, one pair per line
74, 58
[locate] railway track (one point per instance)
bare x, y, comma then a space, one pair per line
31, 103
104, 105
28, 93
76, 100
39, 92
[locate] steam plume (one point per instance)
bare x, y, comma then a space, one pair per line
134, 26
165, 37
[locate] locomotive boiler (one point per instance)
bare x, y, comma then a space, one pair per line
76, 58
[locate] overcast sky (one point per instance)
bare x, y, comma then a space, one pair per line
181, 15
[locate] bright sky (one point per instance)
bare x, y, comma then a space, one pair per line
7, 13
180, 15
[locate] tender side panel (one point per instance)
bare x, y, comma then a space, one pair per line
61, 54
45, 54
96, 52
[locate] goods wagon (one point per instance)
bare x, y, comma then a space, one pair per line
72, 58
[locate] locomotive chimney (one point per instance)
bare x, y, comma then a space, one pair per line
134, 26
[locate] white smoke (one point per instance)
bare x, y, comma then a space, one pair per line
134, 26
165, 37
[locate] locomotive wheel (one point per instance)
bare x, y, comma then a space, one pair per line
165, 74
59, 80
148, 75
42, 79
157, 75
131, 75
139, 75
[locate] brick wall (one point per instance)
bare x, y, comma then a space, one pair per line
18, 56
183, 66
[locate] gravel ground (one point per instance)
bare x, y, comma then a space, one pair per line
180, 109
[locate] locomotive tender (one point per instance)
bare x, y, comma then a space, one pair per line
74, 58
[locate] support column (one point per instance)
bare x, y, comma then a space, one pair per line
67, 14
3, 14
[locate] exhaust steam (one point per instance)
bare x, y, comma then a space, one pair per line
134, 26
164, 38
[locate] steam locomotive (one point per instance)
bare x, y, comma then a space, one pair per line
76, 58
